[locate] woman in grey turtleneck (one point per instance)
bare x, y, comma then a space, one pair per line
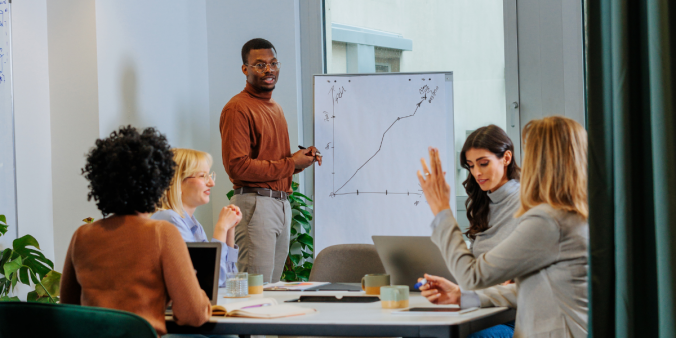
546, 254
492, 187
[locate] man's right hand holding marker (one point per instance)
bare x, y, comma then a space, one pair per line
305, 157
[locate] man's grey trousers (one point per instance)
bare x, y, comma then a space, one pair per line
262, 235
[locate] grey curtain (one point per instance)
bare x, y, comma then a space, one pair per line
632, 167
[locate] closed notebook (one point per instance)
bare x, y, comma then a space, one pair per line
264, 308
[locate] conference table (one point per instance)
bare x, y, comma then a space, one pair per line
349, 319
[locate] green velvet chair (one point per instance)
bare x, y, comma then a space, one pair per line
19, 319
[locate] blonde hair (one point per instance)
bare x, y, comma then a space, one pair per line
188, 162
554, 167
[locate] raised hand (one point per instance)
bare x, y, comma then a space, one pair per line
434, 186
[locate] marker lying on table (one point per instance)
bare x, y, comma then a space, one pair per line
316, 152
419, 284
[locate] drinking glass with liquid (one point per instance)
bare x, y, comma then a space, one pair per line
237, 284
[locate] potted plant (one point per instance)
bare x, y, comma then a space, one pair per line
24, 263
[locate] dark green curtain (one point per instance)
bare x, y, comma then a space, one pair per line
630, 50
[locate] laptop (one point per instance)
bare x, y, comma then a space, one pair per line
407, 258
206, 259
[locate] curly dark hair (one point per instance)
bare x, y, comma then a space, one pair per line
128, 172
495, 140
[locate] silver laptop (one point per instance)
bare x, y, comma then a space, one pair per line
206, 259
407, 258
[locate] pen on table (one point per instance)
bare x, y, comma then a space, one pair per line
259, 305
316, 152
419, 284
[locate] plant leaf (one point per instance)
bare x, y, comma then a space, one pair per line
304, 274
301, 219
306, 213
52, 283
307, 255
289, 276
294, 186
3, 219
23, 242
301, 195
295, 259
15, 279
9, 299
40, 291
12, 266
34, 278
4, 257
230, 194
38, 267
307, 227
307, 265
23, 275
306, 239
293, 200
293, 230
32, 296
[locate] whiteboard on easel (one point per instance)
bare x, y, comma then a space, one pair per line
372, 130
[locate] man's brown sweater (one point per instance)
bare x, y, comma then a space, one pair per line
255, 142
135, 264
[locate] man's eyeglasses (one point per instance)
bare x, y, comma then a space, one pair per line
205, 177
261, 66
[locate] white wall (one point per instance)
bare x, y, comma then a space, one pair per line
83, 68
227, 31
152, 72
32, 122
71, 31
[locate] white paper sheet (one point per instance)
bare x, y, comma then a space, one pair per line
372, 131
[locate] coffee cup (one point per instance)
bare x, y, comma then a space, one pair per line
394, 296
255, 284
371, 283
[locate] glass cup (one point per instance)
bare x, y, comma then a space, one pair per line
236, 284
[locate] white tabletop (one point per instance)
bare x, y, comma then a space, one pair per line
352, 313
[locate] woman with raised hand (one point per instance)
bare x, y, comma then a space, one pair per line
191, 187
492, 187
126, 260
547, 252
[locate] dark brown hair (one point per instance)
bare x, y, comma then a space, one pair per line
495, 140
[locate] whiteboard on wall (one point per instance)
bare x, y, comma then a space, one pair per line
372, 130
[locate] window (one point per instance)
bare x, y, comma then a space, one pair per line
464, 37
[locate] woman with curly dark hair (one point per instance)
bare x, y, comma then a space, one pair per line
126, 260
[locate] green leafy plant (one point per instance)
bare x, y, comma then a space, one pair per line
298, 265
301, 245
23, 263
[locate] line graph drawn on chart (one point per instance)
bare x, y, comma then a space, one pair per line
380, 141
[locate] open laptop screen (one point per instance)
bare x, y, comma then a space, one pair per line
205, 259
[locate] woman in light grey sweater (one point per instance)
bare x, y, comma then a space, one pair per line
547, 252
492, 187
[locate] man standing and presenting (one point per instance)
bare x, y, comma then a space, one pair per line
257, 157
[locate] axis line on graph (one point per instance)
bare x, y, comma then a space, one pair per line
335, 192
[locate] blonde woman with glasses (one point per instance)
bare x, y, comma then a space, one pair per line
547, 252
191, 187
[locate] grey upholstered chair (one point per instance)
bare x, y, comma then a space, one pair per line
346, 263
